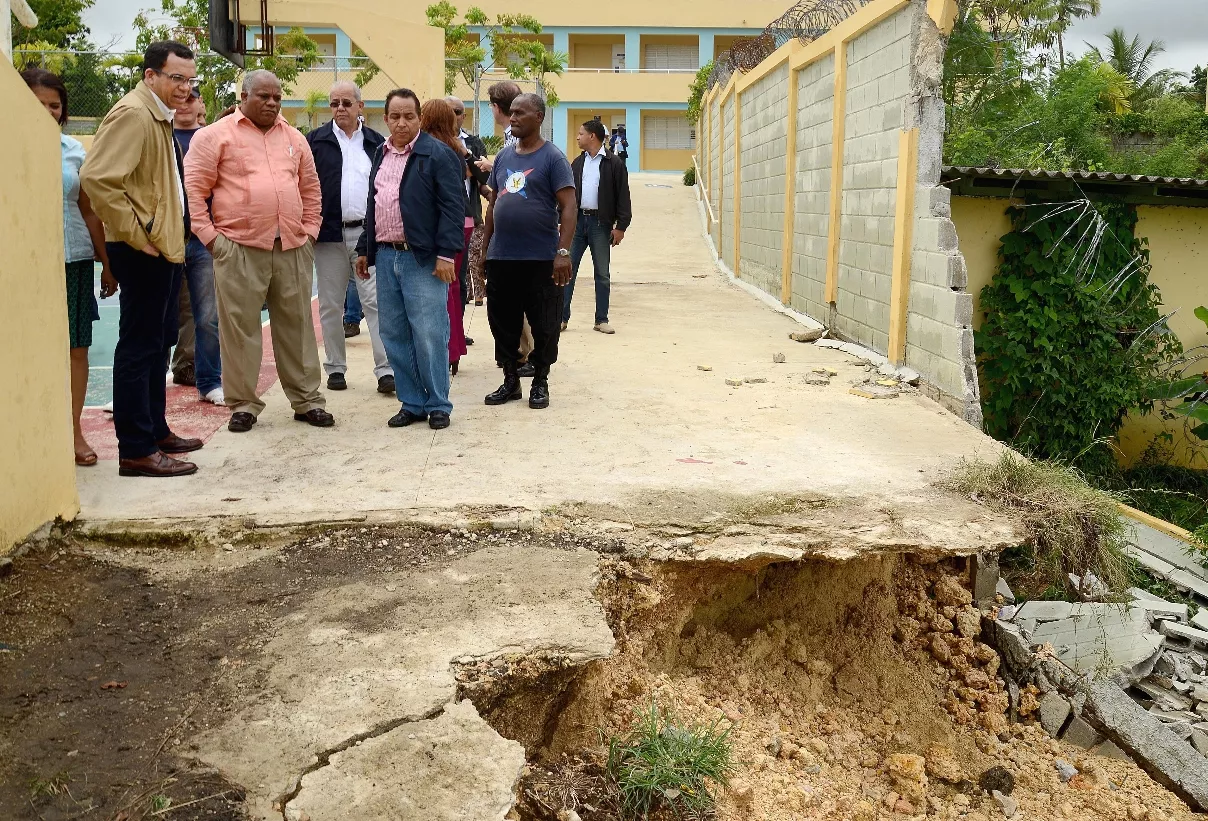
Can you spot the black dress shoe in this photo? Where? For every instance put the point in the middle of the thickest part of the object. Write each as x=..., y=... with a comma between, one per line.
x=351, y=329
x=469, y=341
x=386, y=384
x=337, y=382
x=241, y=422
x=185, y=376
x=316, y=417
x=539, y=394
x=526, y=370
x=404, y=418
x=438, y=420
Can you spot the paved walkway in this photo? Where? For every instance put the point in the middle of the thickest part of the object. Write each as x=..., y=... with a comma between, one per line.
x=633, y=416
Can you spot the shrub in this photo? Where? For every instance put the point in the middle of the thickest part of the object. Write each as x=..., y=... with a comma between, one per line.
x=690, y=176
x=668, y=765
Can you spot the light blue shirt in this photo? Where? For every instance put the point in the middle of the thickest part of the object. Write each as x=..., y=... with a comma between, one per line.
x=77, y=243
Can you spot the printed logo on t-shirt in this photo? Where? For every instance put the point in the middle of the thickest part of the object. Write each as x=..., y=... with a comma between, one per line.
x=516, y=181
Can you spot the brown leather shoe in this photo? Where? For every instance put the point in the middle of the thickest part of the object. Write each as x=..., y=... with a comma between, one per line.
x=178, y=444
x=158, y=464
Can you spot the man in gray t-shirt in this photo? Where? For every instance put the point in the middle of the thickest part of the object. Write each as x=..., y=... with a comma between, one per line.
x=528, y=232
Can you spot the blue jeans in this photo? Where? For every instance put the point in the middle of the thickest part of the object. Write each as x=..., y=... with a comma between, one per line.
x=413, y=319
x=590, y=232
x=352, y=305
x=199, y=276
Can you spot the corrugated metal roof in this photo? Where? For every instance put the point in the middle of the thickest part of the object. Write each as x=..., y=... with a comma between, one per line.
x=951, y=171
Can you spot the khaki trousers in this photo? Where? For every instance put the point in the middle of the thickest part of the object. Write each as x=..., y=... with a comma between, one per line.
x=245, y=279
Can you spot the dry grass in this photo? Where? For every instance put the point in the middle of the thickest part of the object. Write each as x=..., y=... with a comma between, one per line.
x=1072, y=527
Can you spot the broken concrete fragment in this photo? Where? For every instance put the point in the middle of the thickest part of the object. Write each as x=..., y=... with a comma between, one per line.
x=1081, y=734
x=1065, y=770
x=815, y=379
x=734, y=383
x=1003, y=589
x=811, y=335
x=868, y=391
x=1200, y=620
x=1008, y=804
x=1054, y=710
x=1199, y=740
x=1197, y=638
x=1158, y=751
x=778, y=358
x=1098, y=632
x=755, y=380
x=1157, y=608
x=704, y=367
x=1162, y=698
x=1045, y=610
x=1109, y=749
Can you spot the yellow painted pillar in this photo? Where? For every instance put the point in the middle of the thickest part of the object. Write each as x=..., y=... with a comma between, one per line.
x=903, y=241
x=838, y=133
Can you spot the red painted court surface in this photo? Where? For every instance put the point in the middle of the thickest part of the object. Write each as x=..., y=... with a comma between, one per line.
x=187, y=415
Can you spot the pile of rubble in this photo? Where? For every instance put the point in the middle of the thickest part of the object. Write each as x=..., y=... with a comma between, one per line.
x=1117, y=679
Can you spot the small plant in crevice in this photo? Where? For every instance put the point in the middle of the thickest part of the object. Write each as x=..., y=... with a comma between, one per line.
x=690, y=176
x=663, y=764
x=1071, y=527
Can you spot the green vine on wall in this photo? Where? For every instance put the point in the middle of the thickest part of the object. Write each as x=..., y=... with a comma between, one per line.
x=1073, y=339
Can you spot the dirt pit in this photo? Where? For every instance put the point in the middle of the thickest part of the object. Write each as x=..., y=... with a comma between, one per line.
x=840, y=704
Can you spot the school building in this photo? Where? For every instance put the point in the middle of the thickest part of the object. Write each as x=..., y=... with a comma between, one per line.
x=637, y=75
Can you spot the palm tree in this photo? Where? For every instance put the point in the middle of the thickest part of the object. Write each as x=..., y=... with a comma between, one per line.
x=314, y=103
x=1066, y=12
x=1135, y=61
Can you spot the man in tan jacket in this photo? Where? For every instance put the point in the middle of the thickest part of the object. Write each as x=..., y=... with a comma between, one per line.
x=133, y=177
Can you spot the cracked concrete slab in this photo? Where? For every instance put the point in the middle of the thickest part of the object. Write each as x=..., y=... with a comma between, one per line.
x=360, y=660
x=448, y=768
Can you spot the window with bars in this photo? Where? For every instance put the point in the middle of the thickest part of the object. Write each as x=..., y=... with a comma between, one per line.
x=668, y=132
x=671, y=57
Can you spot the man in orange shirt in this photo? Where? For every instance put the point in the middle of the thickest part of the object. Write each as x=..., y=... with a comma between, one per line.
x=252, y=183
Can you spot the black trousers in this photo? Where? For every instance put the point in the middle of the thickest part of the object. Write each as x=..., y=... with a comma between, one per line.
x=150, y=289
x=520, y=288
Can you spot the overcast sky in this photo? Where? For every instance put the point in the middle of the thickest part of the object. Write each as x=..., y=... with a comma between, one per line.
x=1182, y=24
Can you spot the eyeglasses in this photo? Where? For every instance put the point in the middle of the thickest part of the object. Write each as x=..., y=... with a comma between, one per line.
x=459, y=111
x=343, y=104
x=180, y=79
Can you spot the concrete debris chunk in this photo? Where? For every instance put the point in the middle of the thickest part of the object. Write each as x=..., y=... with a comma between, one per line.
x=1081, y=734
x=870, y=391
x=1200, y=619
x=1065, y=770
x=1174, y=630
x=1199, y=740
x=778, y=358
x=1003, y=589
x=734, y=383
x=815, y=379
x=1159, y=609
x=1054, y=710
x=1139, y=594
x=1007, y=612
x=755, y=380
x=1006, y=803
x=1098, y=632
x=1162, y=754
x=812, y=335
x=1045, y=610
x=704, y=367
x=1088, y=585
x=1109, y=749
x=1161, y=697
x=826, y=371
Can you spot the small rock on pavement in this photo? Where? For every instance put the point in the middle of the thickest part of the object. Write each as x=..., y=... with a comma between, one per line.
x=228, y=546
x=6, y=567
x=1008, y=804
x=755, y=380
x=868, y=391
x=734, y=383
x=997, y=779
x=812, y=335
x=704, y=367
x=1065, y=770
x=778, y=358
x=816, y=379
x=1054, y=710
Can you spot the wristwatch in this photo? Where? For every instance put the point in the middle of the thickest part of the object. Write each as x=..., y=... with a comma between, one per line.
x=563, y=252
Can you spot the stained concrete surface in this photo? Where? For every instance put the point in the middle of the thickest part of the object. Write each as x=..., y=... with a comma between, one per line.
x=631, y=415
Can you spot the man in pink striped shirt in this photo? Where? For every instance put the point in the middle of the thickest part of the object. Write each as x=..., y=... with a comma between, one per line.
x=256, y=204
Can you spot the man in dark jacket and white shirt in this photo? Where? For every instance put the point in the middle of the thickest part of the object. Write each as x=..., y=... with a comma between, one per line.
x=344, y=150
x=602, y=190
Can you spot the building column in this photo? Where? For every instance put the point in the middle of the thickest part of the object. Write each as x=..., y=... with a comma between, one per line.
x=558, y=112
x=633, y=51
x=562, y=44
x=706, y=48
x=343, y=44
x=633, y=132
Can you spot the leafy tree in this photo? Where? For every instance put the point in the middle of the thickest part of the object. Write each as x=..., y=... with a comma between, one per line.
x=512, y=44
x=315, y=102
x=1134, y=60
x=1067, y=11
x=60, y=24
x=188, y=23
x=696, y=94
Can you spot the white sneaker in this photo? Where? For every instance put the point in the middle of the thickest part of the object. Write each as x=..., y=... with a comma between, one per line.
x=605, y=328
x=215, y=397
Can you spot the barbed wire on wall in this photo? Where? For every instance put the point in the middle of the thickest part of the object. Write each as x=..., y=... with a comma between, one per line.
x=806, y=21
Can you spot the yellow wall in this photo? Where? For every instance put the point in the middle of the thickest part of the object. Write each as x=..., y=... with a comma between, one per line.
x=1178, y=244
x=37, y=472
x=593, y=50
x=981, y=223
x=575, y=117
x=751, y=14
x=666, y=159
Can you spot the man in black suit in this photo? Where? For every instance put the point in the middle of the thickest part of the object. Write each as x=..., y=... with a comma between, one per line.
x=344, y=150
x=602, y=191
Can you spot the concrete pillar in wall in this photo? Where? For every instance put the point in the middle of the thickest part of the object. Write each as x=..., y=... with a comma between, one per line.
x=633, y=51
x=343, y=44
x=633, y=131
x=562, y=43
x=558, y=115
x=706, y=48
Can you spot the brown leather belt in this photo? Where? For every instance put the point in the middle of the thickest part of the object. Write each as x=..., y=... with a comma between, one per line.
x=399, y=246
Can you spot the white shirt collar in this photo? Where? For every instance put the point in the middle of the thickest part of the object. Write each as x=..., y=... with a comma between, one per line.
x=170, y=113
x=342, y=135
x=598, y=155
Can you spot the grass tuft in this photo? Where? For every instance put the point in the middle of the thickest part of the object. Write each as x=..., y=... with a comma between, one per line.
x=663, y=764
x=1072, y=527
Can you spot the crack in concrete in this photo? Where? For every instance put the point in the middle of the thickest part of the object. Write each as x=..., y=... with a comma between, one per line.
x=323, y=758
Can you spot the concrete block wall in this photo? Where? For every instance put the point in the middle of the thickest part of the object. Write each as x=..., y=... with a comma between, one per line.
x=765, y=123
x=894, y=68
x=811, y=214
x=713, y=162
x=878, y=83
x=726, y=212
